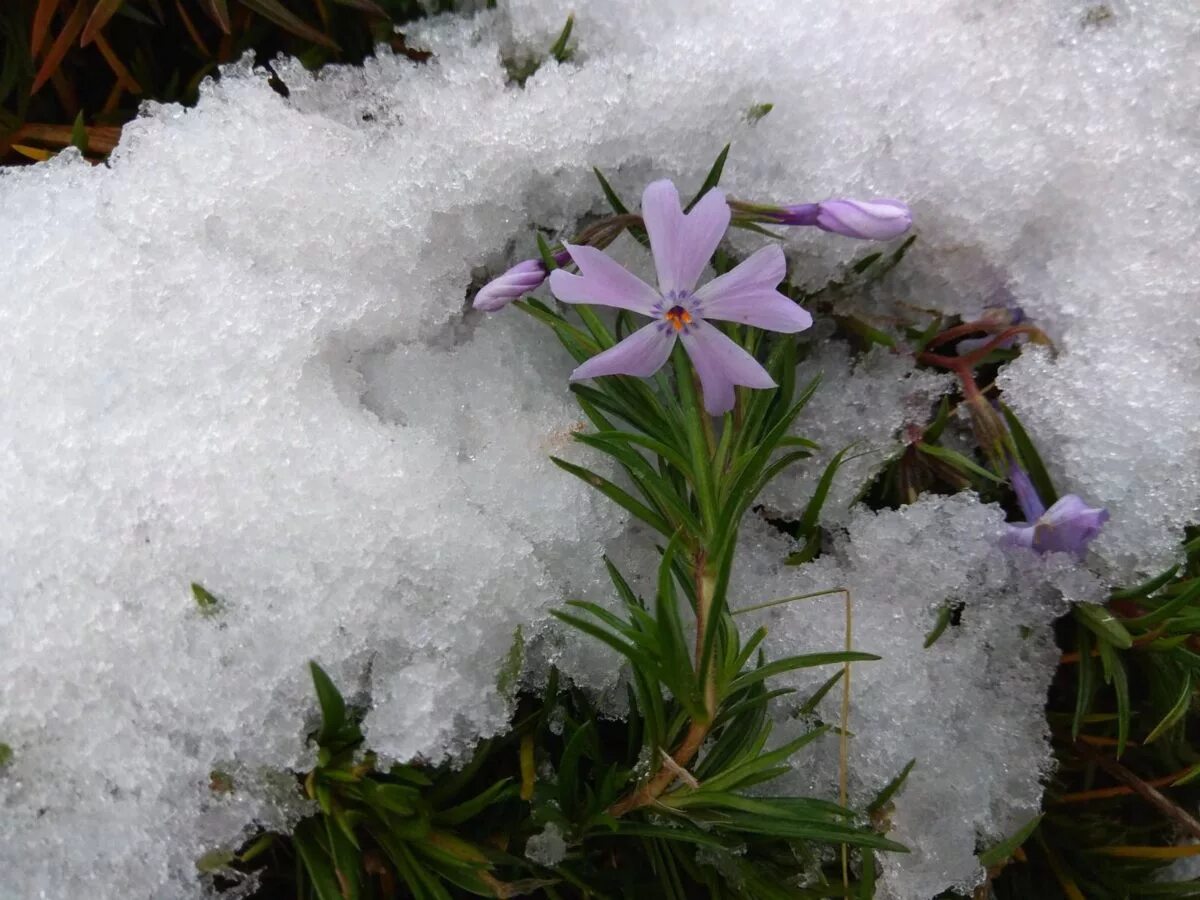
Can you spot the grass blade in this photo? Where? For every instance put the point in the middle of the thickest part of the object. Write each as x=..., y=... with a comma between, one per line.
x=101, y=13
x=288, y=21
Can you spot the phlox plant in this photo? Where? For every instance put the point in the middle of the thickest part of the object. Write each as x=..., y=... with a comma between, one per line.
x=696, y=410
x=690, y=389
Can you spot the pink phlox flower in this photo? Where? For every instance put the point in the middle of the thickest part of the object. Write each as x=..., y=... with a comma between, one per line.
x=1068, y=526
x=682, y=245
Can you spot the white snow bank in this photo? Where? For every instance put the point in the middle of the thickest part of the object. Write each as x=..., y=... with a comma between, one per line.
x=237, y=356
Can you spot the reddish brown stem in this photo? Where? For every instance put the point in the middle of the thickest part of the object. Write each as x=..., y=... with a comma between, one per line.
x=1142, y=788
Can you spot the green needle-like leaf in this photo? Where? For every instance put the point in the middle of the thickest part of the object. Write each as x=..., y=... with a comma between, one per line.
x=333, y=707
x=616, y=494
x=711, y=179
x=1005, y=849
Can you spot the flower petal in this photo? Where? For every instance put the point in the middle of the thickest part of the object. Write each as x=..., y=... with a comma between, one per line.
x=721, y=364
x=880, y=219
x=747, y=294
x=642, y=354
x=1019, y=534
x=682, y=244
x=602, y=281
x=522, y=278
x=1068, y=526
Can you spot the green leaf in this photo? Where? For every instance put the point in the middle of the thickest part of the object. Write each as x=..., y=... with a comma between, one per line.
x=546, y=254
x=681, y=831
x=569, y=782
x=510, y=670
x=1085, y=688
x=623, y=589
x=288, y=21
x=669, y=453
x=780, y=817
x=938, y=425
x=939, y=627
x=397, y=798
x=866, y=878
x=79, y=135
x=740, y=776
x=632, y=653
x=653, y=486
x=1170, y=608
x=884, y=797
x=758, y=111
x=673, y=645
x=1104, y=625
x=333, y=707
x=958, y=461
x=695, y=422
x=866, y=262
x=802, y=661
x=6, y=754
x=610, y=195
x=419, y=881
x=1114, y=674
x=712, y=178
x=259, y=846
x=820, y=693
x=317, y=864
x=1187, y=777
x=867, y=333
x=578, y=344
x=461, y=874
x=810, y=518
x=208, y=602
x=1174, y=714
x=1031, y=460
x=1005, y=849
x=559, y=51
x=1146, y=588
x=215, y=861
x=502, y=790
x=616, y=494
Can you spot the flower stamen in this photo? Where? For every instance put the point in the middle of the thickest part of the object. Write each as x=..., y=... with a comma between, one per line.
x=678, y=317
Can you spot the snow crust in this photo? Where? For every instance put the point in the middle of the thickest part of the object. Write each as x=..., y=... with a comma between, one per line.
x=238, y=355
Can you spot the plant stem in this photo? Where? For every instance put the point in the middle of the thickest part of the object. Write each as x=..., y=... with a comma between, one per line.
x=706, y=582
x=651, y=790
x=1142, y=788
x=648, y=792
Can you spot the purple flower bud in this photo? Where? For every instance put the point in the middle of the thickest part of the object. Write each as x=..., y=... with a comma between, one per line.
x=871, y=220
x=796, y=214
x=522, y=278
x=1066, y=527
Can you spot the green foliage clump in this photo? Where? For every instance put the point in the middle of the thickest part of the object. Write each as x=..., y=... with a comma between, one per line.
x=437, y=832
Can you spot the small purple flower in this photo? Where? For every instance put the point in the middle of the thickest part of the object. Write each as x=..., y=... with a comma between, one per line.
x=682, y=245
x=1066, y=527
x=522, y=278
x=880, y=219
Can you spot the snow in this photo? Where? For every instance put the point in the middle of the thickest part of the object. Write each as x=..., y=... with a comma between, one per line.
x=238, y=355
x=968, y=709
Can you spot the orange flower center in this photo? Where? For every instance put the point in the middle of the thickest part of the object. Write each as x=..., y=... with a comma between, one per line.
x=678, y=317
